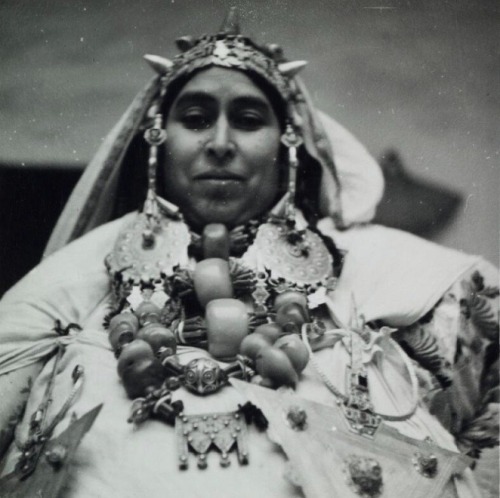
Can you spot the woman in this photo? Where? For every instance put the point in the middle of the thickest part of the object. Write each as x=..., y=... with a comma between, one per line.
x=251, y=252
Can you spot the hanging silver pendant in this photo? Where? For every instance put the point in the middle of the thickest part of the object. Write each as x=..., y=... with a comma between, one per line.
x=219, y=431
x=137, y=262
x=286, y=260
x=358, y=409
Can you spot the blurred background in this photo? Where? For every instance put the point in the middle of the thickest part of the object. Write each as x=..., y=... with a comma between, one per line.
x=416, y=80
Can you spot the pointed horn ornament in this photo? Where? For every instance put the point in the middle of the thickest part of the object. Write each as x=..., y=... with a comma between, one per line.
x=292, y=68
x=184, y=43
x=160, y=64
x=231, y=24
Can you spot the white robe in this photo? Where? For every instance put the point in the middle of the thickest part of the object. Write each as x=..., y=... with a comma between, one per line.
x=393, y=276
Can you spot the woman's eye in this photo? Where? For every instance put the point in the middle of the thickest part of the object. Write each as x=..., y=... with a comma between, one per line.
x=249, y=120
x=195, y=120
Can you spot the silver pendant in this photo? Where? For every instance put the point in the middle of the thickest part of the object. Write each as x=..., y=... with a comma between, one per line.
x=138, y=261
x=286, y=260
x=203, y=376
x=218, y=431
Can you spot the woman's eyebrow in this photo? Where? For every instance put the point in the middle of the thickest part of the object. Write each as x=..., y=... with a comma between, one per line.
x=200, y=97
x=195, y=97
x=252, y=101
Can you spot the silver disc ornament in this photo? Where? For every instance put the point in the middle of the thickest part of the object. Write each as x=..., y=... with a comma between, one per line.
x=286, y=260
x=143, y=250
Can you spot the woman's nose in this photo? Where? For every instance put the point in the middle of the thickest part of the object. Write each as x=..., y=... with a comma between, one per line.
x=220, y=144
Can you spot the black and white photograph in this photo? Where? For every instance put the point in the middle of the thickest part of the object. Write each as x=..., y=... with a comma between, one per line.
x=249, y=249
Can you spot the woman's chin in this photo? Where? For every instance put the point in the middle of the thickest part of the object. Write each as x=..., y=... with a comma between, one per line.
x=224, y=212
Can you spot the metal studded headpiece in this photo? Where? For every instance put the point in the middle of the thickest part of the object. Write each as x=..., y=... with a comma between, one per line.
x=230, y=49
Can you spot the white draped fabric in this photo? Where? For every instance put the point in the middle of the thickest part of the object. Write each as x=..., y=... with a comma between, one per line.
x=392, y=275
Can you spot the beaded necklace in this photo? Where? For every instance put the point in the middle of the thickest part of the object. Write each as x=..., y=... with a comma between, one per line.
x=163, y=302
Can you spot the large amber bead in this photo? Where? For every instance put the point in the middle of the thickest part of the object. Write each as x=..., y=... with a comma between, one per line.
x=142, y=375
x=158, y=337
x=122, y=329
x=253, y=343
x=126, y=317
x=291, y=297
x=133, y=352
x=291, y=316
x=148, y=312
x=227, y=325
x=273, y=364
x=295, y=349
x=215, y=241
x=212, y=280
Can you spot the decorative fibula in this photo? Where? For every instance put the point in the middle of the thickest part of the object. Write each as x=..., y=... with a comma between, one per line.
x=139, y=260
x=306, y=263
x=219, y=431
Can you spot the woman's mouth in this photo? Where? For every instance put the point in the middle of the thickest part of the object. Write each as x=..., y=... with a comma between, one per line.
x=224, y=176
x=220, y=180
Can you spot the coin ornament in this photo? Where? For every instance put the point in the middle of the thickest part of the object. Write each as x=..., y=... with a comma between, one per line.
x=139, y=261
x=286, y=260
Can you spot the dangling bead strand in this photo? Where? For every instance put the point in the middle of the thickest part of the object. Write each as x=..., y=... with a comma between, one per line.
x=154, y=136
x=292, y=141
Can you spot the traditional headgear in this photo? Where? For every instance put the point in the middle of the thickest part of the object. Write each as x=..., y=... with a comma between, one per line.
x=351, y=182
x=230, y=49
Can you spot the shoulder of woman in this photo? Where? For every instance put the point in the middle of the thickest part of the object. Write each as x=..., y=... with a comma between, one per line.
x=376, y=242
x=78, y=261
x=394, y=275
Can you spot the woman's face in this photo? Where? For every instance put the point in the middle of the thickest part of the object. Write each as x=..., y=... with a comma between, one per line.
x=223, y=140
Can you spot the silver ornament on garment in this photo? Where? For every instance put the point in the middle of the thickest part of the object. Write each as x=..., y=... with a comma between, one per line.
x=364, y=475
x=219, y=431
x=204, y=376
x=139, y=259
x=307, y=263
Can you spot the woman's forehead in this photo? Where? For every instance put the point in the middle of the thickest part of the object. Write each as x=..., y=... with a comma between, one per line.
x=222, y=83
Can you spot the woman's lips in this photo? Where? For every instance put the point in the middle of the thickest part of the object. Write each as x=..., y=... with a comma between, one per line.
x=220, y=185
x=220, y=180
x=219, y=176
